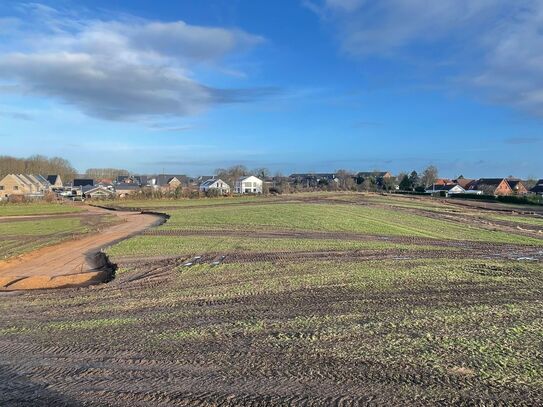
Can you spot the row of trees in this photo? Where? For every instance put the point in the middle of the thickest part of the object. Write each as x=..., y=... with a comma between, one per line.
x=108, y=173
x=37, y=164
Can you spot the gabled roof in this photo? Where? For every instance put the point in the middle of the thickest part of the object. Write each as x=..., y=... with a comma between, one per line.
x=463, y=182
x=538, y=189
x=52, y=179
x=490, y=181
x=212, y=181
x=515, y=183
x=87, y=189
x=165, y=179
x=241, y=179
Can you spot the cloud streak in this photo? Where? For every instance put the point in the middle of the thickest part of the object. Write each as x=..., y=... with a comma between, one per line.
x=125, y=69
x=491, y=47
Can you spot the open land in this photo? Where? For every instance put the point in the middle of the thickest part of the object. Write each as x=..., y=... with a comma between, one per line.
x=310, y=300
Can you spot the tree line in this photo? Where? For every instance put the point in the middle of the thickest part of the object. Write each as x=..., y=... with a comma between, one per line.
x=37, y=164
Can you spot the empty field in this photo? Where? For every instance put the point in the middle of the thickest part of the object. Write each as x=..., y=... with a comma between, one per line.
x=307, y=300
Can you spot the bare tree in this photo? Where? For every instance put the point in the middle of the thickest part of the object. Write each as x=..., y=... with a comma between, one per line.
x=429, y=176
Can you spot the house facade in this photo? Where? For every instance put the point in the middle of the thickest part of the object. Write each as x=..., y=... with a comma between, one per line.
x=517, y=186
x=248, y=185
x=23, y=185
x=215, y=185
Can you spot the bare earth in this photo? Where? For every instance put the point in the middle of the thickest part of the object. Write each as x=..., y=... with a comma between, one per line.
x=65, y=264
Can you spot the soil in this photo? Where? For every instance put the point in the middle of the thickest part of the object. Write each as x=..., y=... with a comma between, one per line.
x=278, y=365
x=66, y=264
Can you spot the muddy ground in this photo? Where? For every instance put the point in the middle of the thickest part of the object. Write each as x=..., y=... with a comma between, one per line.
x=150, y=337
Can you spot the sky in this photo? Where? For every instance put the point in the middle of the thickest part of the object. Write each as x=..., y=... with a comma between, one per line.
x=291, y=85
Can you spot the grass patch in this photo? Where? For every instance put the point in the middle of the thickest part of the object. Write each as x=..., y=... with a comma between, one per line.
x=345, y=218
x=178, y=245
x=35, y=208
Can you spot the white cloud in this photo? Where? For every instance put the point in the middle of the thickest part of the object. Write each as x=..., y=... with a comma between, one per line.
x=121, y=69
x=495, y=46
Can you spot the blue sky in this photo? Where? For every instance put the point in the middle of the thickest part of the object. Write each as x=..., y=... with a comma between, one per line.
x=292, y=85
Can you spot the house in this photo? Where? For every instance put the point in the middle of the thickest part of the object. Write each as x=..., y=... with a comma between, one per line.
x=538, y=189
x=215, y=185
x=444, y=181
x=248, y=185
x=96, y=192
x=491, y=186
x=464, y=182
x=517, y=186
x=123, y=189
x=55, y=181
x=23, y=185
x=311, y=180
x=448, y=189
x=83, y=182
x=168, y=182
x=379, y=176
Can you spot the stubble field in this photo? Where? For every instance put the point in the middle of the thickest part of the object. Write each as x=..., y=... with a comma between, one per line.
x=310, y=300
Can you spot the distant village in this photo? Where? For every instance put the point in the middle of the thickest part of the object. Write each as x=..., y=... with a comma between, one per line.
x=19, y=187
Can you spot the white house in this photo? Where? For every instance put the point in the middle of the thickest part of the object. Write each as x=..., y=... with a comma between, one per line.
x=449, y=189
x=248, y=185
x=215, y=184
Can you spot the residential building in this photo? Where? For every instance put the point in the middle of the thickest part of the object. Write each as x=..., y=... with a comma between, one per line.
x=517, y=186
x=464, y=182
x=123, y=189
x=447, y=189
x=492, y=186
x=55, y=181
x=538, y=189
x=83, y=182
x=380, y=177
x=313, y=180
x=248, y=185
x=218, y=185
x=96, y=192
x=23, y=185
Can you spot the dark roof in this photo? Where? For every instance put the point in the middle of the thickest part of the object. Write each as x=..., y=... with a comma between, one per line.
x=52, y=179
x=81, y=182
x=513, y=183
x=489, y=181
x=538, y=189
x=164, y=179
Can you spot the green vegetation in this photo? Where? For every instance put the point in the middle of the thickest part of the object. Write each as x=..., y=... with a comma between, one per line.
x=42, y=227
x=178, y=245
x=345, y=218
x=37, y=208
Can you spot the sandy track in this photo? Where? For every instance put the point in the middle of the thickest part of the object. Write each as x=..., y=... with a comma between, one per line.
x=65, y=263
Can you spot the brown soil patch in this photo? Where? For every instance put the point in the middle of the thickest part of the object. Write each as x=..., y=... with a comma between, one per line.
x=66, y=263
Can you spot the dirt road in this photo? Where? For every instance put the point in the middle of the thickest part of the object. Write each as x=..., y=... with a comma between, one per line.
x=66, y=264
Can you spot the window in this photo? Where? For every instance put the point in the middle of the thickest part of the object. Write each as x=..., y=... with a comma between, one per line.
x=1, y=187
x=16, y=188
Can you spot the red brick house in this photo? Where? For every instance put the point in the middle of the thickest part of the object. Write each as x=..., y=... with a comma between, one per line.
x=492, y=186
